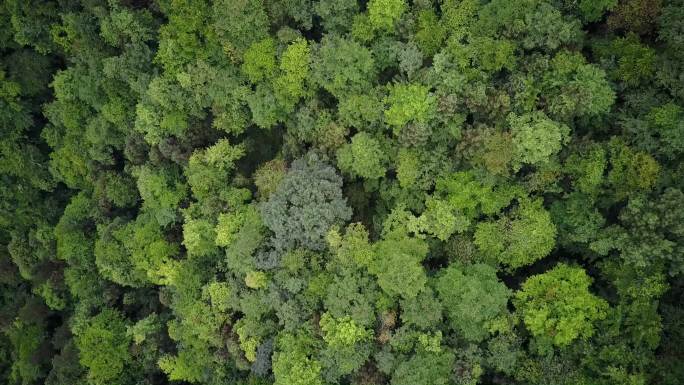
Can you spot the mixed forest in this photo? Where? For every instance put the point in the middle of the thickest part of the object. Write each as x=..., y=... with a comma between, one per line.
x=342, y=192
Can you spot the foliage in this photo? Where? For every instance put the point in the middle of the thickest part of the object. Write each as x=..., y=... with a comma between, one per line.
x=134, y=254
x=260, y=61
x=341, y=192
x=300, y=213
x=536, y=138
x=292, y=364
x=103, y=347
x=472, y=297
x=557, y=306
x=343, y=66
x=519, y=239
x=408, y=103
x=632, y=171
x=383, y=14
x=397, y=265
x=363, y=157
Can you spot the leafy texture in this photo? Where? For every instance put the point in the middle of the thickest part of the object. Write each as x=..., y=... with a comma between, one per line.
x=307, y=203
x=557, y=306
x=341, y=192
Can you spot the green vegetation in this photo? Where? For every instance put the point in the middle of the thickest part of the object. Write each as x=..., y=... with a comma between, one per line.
x=342, y=192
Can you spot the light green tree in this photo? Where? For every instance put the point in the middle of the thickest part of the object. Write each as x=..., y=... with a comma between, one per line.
x=536, y=138
x=384, y=14
x=103, y=347
x=408, y=103
x=524, y=236
x=557, y=306
x=363, y=157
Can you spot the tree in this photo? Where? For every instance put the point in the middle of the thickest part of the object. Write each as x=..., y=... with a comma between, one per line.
x=340, y=191
x=26, y=339
x=241, y=233
x=586, y=166
x=66, y=368
x=210, y=170
x=236, y=34
x=441, y=219
x=198, y=237
x=536, y=138
x=353, y=247
x=431, y=33
x=593, y=10
x=265, y=107
x=347, y=347
x=103, y=346
x=294, y=66
x=659, y=133
x=292, y=364
x=632, y=171
x=260, y=61
x=557, y=306
x=300, y=212
x=114, y=261
x=408, y=103
x=161, y=191
x=383, y=14
x=650, y=233
x=521, y=238
x=573, y=87
x=635, y=62
x=336, y=15
x=363, y=157
x=473, y=298
x=350, y=293
x=135, y=253
x=635, y=15
x=397, y=265
x=424, y=368
x=268, y=176
x=343, y=67
x=423, y=311
x=531, y=23
x=360, y=110
x=576, y=219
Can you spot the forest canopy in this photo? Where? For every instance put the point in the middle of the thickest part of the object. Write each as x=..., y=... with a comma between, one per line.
x=342, y=192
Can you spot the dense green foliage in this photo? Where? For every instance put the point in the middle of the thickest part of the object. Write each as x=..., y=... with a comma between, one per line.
x=352, y=192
